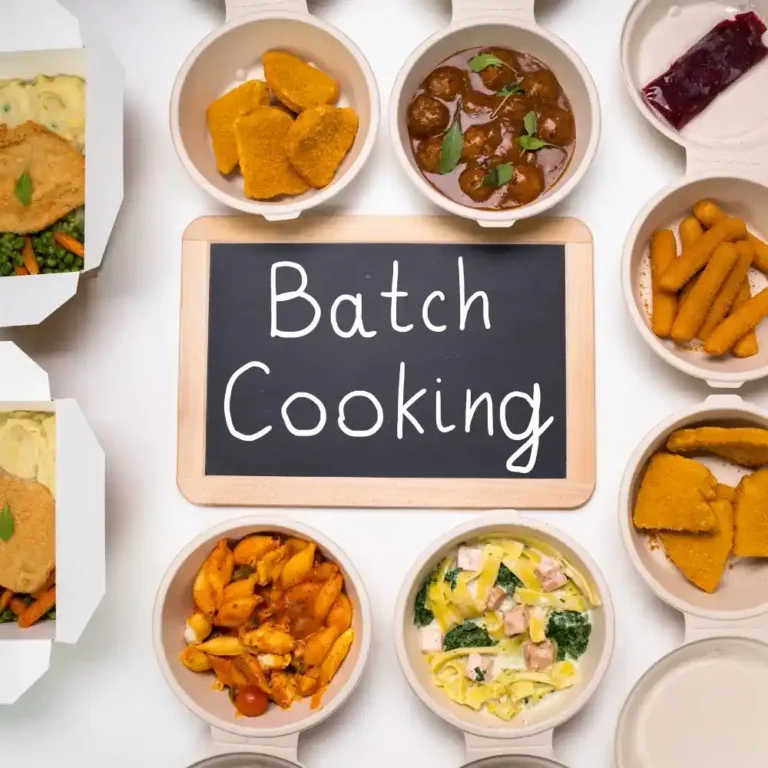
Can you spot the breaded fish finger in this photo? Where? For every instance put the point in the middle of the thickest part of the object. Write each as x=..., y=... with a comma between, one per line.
x=690, y=231
x=729, y=290
x=674, y=495
x=663, y=253
x=702, y=558
x=747, y=345
x=694, y=258
x=736, y=325
x=691, y=315
x=297, y=84
x=751, y=516
x=747, y=446
x=725, y=492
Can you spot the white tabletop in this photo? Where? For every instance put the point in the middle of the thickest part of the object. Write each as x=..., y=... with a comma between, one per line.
x=114, y=348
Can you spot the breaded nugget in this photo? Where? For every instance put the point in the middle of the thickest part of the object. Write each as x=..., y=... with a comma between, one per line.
x=664, y=304
x=701, y=557
x=751, y=516
x=221, y=116
x=747, y=446
x=674, y=496
x=319, y=140
x=725, y=492
x=297, y=84
x=739, y=323
x=56, y=170
x=27, y=558
x=264, y=163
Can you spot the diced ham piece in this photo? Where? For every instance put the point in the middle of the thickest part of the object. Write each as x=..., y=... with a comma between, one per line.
x=495, y=599
x=550, y=574
x=470, y=558
x=516, y=621
x=539, y=655
x=477, y=662
x=431, y=639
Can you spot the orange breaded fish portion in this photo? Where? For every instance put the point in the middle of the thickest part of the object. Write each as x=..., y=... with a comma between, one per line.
x=56, y=170
x=264, y=163
x=222, y=113
x=702, y=557
x=747, y=446
x=751, y=516
x=297, y=84
x=674, y=495
x=319, y=140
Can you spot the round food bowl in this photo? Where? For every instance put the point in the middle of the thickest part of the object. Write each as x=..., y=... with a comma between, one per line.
x=738, y=196
x=174, y=605
x=515, y=761
x=539, y=720
x=520, y=36
x=243, y=760
x=743, y=591
x=233, y=54
x=655, y=34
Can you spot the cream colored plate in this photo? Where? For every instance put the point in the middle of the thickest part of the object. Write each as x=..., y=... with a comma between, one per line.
x=704, y=705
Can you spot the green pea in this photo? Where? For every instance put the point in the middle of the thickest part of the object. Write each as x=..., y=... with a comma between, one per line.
x=69, y=259
x=18, y=259
x=51, y=262
x=6, y=269
x=6, y=615
x=51, y=615
x=47, y=271
x=19, y=243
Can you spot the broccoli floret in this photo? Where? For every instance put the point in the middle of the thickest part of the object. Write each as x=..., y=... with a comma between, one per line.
x=421, y=614
x=451, y=576
x=570, y=630
x=507, y=580
x=468, y=635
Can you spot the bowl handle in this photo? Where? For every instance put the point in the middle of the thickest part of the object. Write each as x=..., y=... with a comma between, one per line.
x=286, y=747
x=479, y=747
x=699, y=628
x=497, y=224
x=511, y=10
x=741, y=162
x=238, y=8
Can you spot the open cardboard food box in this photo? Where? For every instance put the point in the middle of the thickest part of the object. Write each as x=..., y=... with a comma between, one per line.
x=25, y=654
x=28, y=49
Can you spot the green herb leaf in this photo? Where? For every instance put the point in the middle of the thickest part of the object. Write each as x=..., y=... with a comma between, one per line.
x=532, y=143
x=23, y=189
x=483, y=60
x=499, y=175
x=7, y=524
x=507, y=580
x=468, y=635
x=479, y=675
x=531, y=123
x=450, y=149
x=451, y=577
x=511, y=90
x=570, y=631
x=422, y=615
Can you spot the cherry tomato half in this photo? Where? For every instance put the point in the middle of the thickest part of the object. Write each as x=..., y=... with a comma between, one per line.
x=251, y=701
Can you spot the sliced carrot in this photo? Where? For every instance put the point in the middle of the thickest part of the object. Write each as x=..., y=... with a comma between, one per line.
x=72, y=245
x=5, y=599
x=18, y=606
x=50, y=581
x=30, y=260
x=38, y=609
x=20, y=270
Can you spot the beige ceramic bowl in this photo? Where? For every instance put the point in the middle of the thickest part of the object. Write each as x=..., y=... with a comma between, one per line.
x=521, y=36
x=741, y=197
x=174, y=605
x=516, y=761
x=540, y=720
x=743, y=593
x=233, y=54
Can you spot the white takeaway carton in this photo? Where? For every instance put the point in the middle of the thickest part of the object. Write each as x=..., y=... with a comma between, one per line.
x=25, y=654
x=27, y=49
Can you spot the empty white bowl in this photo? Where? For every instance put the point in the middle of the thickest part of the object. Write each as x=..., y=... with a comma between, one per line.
x=521, y=36
x=231, y=55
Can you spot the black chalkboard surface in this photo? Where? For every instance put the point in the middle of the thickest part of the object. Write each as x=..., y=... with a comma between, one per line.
x=386, y=362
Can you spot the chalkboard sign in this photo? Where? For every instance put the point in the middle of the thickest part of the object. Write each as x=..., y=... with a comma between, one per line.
x=419, y=364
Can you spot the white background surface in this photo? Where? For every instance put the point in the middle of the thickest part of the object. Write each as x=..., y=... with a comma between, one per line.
x=114, y=347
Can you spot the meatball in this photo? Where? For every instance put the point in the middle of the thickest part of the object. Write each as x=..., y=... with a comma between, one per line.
x=446, y=83
x=556, y=125
x=481, y=140
x=428, y=154
x=495, y=78
x=479, y=104
x=542, y=84
x=526, y=185
x=471, y=183
x=512, y=111
x=510, y=150
x=427, y=117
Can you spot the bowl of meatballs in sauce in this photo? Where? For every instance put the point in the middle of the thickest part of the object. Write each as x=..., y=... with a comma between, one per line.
x=493, y=133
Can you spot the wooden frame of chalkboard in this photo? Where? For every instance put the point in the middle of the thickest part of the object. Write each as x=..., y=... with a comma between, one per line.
x=461, y=493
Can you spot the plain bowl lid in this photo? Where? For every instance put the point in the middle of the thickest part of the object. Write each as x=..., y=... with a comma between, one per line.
x=703, y=705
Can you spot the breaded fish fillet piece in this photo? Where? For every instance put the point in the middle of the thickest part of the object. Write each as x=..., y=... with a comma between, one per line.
x=674, y=495
x=57, y=172
x=747, y=446
x=751, y=516
x=27, y=558
x=702, y=557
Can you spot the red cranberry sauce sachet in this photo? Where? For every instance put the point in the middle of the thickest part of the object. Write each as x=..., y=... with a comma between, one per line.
x=701, y=74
